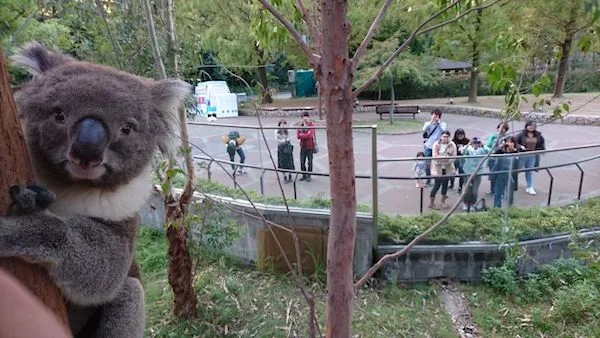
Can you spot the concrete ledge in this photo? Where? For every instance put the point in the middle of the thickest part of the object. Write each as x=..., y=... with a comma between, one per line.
x=246, y=248
x=466, y=261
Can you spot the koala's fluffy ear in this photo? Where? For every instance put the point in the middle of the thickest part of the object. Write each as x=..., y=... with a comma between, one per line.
x=37, y=59
x=168, y=97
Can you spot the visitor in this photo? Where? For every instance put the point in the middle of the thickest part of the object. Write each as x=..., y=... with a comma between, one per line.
x=474, y=148
x=307, y=143
x=234, y=142
x=461, y=141
x=491, y=145
x=419, y=169
x=531, y=140
x=285, y=150
x=440, y=167
x=505, y=182
x=432, y=132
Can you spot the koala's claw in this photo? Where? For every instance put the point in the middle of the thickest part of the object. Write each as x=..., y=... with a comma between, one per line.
x=30, y=199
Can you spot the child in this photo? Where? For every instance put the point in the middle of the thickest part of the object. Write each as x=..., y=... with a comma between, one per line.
x=234, y=142
x=475, y=147
x=419, y=169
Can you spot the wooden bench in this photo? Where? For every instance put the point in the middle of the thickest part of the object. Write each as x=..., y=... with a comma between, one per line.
x=401, y=110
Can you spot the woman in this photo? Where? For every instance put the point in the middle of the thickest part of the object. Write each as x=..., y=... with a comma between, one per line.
x=285, y=149
x=492, y=144
x=531, y=140
x=461, y=141
x=441, y=166
x=505, y=163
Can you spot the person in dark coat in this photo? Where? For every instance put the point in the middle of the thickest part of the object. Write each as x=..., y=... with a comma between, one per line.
x=285, y=151
x=530, y=139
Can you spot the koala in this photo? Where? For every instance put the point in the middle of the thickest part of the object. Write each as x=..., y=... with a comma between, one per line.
x=91, y=132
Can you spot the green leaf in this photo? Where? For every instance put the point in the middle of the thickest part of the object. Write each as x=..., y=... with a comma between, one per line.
x=566, y=107
x=172, y=172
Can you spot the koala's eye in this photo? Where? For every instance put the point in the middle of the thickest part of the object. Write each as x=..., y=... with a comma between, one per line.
x=126, y=130
x=59, y=116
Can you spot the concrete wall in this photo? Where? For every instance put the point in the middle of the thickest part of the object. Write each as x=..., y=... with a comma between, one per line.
x=466, y=261
x=423, y=262
x=308, y=221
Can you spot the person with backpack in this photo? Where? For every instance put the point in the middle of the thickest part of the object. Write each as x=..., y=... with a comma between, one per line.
x=285, y=150
x=307, y=145
x=432, y=132
x=234, y=142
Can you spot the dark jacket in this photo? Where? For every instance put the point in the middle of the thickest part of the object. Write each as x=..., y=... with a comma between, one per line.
x=506, y=162
x=540, y=144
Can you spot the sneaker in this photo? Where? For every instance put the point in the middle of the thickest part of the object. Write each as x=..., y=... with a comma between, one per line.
x=466, y=207
x=530, y=191
x=302, y=178
x=308, y=179
x=459, y=191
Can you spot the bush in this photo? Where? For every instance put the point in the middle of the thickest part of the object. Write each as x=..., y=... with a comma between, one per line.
x=502, y=279
x=577, y=303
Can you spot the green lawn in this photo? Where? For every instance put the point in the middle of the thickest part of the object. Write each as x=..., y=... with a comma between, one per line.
x=236, y=301
x=398, y=125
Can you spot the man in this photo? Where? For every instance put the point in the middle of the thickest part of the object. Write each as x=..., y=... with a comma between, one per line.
x=307, y=145
x=432, y=132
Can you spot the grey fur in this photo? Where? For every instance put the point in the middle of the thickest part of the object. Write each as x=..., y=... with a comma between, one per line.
x=86, y=238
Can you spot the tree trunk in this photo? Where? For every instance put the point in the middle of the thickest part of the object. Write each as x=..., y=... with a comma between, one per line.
x=180, y=268
x=181, y=277
x=172, y=54
x=265, y=93
x=335, y=77
x=475, y=60
x=15, y=169
x=160, y=66
x=563, y=67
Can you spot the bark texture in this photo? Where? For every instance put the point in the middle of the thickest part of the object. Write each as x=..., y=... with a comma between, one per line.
x=15, y=169
x=335, y=77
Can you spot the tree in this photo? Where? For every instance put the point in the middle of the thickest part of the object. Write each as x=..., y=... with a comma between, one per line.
x=471, y=38
x=563, y=23
x=334, y=70
x=15, y=169
x=180, y=263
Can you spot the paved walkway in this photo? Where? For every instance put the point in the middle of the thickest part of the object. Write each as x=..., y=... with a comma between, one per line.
x=401, y=196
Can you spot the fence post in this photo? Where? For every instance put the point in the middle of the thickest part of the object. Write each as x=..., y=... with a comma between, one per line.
x=374, y=173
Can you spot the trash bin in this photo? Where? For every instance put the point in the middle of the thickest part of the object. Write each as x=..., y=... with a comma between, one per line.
x=305, y=83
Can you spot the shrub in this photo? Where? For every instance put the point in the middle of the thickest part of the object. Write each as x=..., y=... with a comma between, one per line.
x=502, y=279
x=577, y=303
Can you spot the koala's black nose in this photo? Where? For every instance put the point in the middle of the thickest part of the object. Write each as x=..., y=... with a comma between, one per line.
x=89, y=142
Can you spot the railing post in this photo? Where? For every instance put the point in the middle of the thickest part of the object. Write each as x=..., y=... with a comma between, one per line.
x=580, y=181
x=421, y=201
x=374, y=173
x=551, y=186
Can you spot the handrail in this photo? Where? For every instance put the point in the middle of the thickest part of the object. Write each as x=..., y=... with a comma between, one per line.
x=246, y=126
x=532, y=152
x=487, y=173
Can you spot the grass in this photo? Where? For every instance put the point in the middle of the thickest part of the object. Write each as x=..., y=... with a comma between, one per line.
x=524, y=223
x=399, y=125
x=234, y=301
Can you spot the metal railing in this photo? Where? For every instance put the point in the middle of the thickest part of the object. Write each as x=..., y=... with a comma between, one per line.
x=375, y=161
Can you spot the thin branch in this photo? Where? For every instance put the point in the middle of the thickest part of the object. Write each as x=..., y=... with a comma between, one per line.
x=153, y=40
x=365, y=42
x=412, y=243
x=418, y=31
x=444, y=23
x=309, y=22
x=313, y=58
x=116, y=47
x=405, y=44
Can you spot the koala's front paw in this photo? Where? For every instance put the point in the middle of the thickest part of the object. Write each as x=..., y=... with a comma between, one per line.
x=29, y=199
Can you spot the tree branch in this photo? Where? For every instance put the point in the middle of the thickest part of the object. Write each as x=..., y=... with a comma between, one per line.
x=309, y=22
x=313, y=58
x=365, y=42
x=416, y=33
x=412, y=243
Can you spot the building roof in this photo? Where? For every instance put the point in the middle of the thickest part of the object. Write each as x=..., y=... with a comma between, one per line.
x=446, y=64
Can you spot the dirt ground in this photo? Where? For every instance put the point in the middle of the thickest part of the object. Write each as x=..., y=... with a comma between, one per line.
x=581, y=103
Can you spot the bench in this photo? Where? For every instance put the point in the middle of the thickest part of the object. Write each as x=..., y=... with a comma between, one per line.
x=401, y=110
